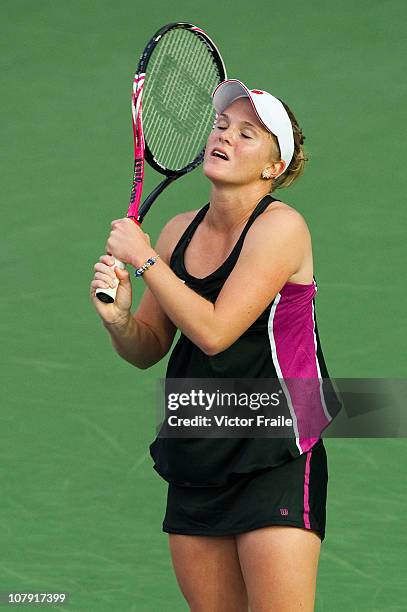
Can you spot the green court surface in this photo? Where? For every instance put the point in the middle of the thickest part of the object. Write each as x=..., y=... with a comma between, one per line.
x=80, y=504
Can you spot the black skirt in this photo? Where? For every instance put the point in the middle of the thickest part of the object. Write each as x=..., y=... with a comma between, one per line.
x=293, y=493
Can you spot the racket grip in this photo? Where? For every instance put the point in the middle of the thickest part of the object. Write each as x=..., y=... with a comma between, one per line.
x=108, y=295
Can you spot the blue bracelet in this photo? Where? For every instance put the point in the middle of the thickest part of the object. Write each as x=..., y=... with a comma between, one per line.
x=150, y=262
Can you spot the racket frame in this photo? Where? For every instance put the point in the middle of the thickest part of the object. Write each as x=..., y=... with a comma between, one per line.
x=141, y=149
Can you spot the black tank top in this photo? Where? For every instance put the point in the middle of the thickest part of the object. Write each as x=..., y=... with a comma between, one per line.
x=268, y=348
x=210, y=286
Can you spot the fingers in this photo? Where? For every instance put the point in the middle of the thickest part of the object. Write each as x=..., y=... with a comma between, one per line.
x=99, y=284
x=107, y=259
x=105, y=269
x=120, y=220
x=131, y=221
x=105, y=275
x=106, y=278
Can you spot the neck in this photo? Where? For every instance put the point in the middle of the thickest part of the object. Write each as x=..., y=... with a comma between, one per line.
x=231, y=205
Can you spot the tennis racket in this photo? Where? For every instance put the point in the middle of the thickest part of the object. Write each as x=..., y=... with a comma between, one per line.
x=176, y=75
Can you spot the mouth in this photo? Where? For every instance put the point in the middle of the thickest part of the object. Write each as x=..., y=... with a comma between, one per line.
x=220, y=154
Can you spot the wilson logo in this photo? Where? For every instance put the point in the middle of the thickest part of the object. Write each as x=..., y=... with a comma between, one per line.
x=284, y=511
x=138, y=171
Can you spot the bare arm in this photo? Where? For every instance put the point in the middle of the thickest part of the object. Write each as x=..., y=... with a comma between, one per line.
x=273, y=251
x=138, y=343
x=144, y=337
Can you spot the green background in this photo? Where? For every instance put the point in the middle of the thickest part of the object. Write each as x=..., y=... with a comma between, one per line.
x=81, y=507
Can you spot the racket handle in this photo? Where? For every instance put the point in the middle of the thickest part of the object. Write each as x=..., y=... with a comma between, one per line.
x=108, y=295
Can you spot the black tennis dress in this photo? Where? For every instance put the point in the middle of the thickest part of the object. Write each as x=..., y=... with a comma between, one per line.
x=224, y=486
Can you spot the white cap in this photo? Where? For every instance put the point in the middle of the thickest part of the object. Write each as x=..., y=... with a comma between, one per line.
x=269, y=110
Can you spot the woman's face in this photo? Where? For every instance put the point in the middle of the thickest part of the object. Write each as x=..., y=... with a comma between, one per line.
x=249, y=147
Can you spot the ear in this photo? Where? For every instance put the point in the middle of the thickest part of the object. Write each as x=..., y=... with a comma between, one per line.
x=274, y=170
x=277, y=168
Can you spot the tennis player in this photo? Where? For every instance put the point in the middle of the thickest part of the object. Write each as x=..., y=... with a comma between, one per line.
x=245, y=517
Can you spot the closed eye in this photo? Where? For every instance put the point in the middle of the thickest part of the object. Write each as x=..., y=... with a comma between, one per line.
x=224, y=127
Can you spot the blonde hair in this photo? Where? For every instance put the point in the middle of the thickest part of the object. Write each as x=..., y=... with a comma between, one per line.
x=297, y=164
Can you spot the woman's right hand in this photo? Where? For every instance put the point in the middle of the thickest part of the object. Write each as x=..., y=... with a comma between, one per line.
x=118, y=312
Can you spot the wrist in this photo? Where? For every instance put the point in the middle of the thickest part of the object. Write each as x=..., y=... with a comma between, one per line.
x=150, y=262
x=120, y=324
x=138, y=260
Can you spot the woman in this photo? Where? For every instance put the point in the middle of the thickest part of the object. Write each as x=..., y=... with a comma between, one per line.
x=245, y=517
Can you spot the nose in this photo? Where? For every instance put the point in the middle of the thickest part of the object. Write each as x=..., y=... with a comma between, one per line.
x=226, y=135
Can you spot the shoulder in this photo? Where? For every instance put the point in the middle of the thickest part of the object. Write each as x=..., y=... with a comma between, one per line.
x=282, y=221
x=172, y=232
x=276, y=246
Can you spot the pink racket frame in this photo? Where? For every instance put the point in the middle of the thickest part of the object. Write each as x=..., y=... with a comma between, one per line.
x=139, y=146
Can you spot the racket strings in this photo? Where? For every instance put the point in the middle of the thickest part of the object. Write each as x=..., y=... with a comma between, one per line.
x=177, y=105
x=178, y=92
x=193, y=113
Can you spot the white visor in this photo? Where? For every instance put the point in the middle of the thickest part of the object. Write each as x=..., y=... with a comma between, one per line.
x=269, y=110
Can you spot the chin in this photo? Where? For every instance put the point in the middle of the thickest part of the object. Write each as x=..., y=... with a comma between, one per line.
x=216, y=178
x=216, y=175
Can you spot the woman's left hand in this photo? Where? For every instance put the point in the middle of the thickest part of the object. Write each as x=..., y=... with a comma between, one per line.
x=128, y=243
